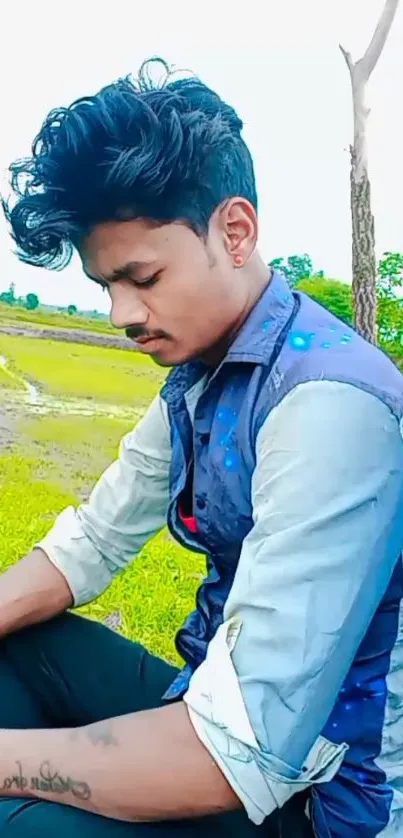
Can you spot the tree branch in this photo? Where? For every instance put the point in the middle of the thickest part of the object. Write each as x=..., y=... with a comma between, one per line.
x=347, y=58
x=369, y=61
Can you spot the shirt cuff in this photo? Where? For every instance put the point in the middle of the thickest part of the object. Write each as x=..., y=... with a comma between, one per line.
x=71, y=551
x=217, y=711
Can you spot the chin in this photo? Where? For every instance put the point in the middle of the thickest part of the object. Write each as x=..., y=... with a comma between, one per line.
x=174, y=359
x=162, y=362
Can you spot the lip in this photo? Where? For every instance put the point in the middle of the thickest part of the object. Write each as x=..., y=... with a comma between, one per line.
x=145, y=344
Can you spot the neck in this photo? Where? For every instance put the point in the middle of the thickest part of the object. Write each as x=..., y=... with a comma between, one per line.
x=257, y=276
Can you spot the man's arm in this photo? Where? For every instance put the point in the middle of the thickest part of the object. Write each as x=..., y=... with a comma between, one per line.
x=86, y=547
x=147, y=766
x=327, y=497
x=32, y=591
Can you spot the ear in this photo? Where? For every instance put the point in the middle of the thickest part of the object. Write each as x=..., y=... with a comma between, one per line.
x=239, y=224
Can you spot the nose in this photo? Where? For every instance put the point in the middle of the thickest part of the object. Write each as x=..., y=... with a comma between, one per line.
x=126, y=307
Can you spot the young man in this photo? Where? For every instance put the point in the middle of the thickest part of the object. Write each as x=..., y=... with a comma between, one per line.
x=274, y=447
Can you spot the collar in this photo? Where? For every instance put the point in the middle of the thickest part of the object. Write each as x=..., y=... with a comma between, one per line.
x=259, y=335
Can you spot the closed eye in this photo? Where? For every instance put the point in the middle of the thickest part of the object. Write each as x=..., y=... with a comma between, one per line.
x=148, y=283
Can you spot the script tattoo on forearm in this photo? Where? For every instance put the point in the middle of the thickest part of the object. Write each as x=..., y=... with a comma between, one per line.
x=47, y=780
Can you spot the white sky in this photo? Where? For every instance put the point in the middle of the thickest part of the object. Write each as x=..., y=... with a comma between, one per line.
x=279, y=66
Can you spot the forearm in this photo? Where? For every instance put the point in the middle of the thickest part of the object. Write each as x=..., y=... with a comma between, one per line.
x=147, y=766
x=32, y=591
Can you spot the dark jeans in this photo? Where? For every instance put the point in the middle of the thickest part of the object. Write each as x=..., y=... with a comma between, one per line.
x=71, y=671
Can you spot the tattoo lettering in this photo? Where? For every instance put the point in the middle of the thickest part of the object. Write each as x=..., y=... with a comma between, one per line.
x=47, y=780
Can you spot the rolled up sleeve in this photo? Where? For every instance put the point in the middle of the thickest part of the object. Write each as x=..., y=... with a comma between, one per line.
x=327, y=496
x=128, y=505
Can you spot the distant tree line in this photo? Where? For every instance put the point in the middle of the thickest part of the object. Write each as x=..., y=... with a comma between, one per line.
x=31, y=301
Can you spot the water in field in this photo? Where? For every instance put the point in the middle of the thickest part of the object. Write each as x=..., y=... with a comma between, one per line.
x=34, y=402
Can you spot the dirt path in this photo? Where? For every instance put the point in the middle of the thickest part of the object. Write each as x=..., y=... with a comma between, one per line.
x=68, y=335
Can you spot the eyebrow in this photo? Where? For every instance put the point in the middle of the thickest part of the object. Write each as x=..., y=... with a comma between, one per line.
x=130, y=268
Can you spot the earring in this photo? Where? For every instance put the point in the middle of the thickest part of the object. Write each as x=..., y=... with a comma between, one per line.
x=238, y=261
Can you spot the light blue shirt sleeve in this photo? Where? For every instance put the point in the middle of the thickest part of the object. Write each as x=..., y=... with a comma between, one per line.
x=327, y=497
x=90, y=544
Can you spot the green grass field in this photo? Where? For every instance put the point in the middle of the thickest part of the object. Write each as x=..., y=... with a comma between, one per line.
x=8, y=382
x=68, y=369
x=54, y=461
x=42, y=317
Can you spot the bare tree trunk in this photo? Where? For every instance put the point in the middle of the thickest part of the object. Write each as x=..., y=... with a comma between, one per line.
x=363, y=228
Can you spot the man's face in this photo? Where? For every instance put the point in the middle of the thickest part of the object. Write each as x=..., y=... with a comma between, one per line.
x=177, y=295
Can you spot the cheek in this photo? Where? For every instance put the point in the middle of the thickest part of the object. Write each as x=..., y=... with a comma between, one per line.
x=203, y=327
x=200, y=315
x=193, y=308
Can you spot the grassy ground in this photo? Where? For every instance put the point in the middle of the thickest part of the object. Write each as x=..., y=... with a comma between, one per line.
x=116, y=376
x=8, y=382
x=54, y=461
x=43, y=317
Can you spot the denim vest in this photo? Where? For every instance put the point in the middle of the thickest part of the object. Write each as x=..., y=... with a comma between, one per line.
x=288, y=339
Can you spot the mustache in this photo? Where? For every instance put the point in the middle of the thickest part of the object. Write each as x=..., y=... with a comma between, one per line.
x=135, y=332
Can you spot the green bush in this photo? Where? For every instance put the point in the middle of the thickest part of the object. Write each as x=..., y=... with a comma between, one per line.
x=334, y=295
